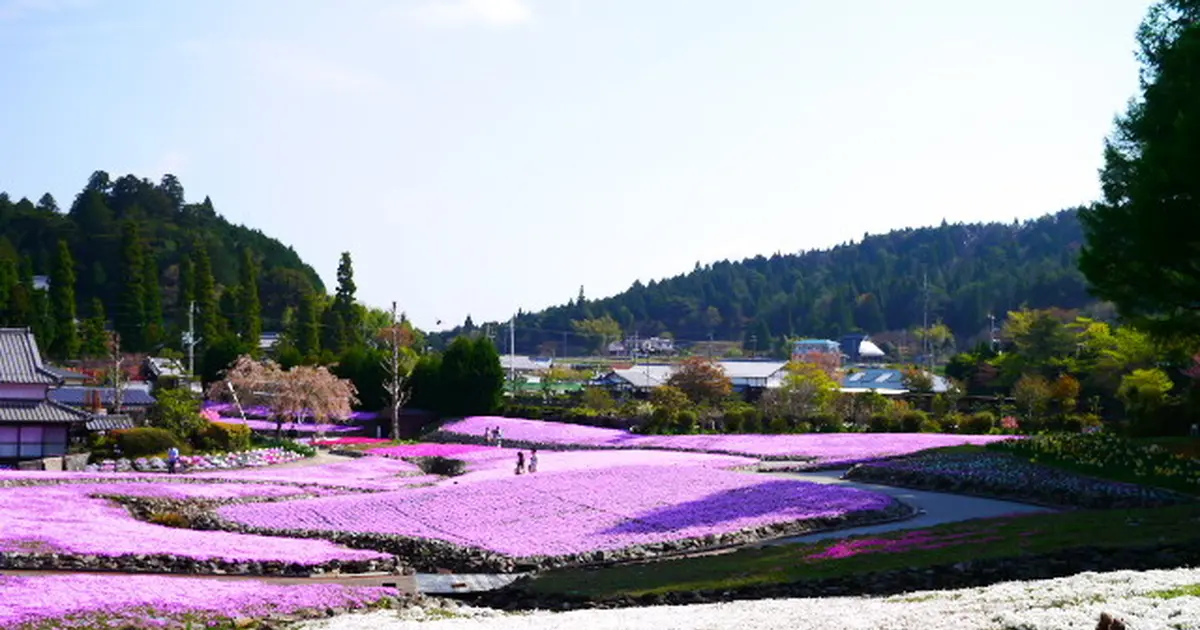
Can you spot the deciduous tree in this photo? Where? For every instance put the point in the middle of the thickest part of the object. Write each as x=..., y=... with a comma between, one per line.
x=702, y=380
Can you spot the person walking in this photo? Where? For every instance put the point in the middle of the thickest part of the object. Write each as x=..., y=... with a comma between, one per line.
x=499, y=437
x=532, y=461
x=487, y=436
x=172, y=459
x=520, y=462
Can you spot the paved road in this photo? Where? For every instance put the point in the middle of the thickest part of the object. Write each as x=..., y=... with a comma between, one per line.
x=937, y=507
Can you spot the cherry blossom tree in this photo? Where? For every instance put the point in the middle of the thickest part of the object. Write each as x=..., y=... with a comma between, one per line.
x=297, y=394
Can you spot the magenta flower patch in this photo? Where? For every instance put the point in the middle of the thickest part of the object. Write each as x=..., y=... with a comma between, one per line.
x=571, y=512
x=94, y=601
x=825, y=448
x=427, y=450
x=365, y=473
x=64, y=519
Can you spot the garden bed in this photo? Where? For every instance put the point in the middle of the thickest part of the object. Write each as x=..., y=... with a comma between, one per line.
x=570, y=518
x=817, y=450
x=1001, y=476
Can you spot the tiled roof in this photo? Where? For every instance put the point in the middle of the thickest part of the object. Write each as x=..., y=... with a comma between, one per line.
x=109, y=423
x=20, y=361
x=751, y=369
x=77, y=396
x=63, y=373
x=39, y=411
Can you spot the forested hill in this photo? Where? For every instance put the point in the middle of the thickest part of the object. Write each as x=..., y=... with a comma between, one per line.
x=171, y=229
x=875, y=286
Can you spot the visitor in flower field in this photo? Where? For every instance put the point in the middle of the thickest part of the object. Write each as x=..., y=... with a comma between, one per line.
x=499, y=437
x=172, y=459
x=520, y=462
x=532, y=460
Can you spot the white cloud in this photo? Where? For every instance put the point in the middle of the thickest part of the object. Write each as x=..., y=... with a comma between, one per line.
x=499, y=13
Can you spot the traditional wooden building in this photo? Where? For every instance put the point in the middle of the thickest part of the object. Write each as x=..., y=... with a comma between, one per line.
x=32, y=426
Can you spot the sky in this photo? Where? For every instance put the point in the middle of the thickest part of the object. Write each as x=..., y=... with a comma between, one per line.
x=480, y=156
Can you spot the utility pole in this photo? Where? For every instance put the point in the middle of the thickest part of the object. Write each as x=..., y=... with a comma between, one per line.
x=992, y=330
x=753, y=345
x=118, y=375
x=395, y=383
x=512, y=352
x=191, y=339
x=710, y=346
x=925, y=343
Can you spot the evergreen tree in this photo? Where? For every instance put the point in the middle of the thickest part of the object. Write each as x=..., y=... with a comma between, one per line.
x=249, y=307
x=95, y=337
x=343, y=321
x=9, y=279
x=62, y=304
x=208, y=314
x=38, y=317
x=187, y=286
x=868, y=315
x=20, y=296
x=130, y=319
x=152, y=301
x=308, y=327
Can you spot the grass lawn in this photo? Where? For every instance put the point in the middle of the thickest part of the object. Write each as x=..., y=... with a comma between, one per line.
x=941, y=545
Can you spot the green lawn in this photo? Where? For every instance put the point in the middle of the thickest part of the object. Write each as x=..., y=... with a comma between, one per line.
x=946, y=544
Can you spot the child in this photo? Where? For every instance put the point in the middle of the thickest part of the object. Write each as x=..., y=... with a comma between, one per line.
x=520, y=462
x=532, y=461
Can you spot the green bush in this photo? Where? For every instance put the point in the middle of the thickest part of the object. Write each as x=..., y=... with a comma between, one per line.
x=882, y=423
x=978, y=423
x=779, y=425
x=826, y=423
x=223, y=437
x=751, y=423
x=444, y=466
x=953, y=422
x=686, y=421
x=303, y=450
x=912, y=420
x=145, y=441
x=732, y=422
x=930, y=425
x=1077, y=423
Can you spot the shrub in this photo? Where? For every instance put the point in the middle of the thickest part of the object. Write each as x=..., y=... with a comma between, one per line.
x=598, y=399
x=1077, y=423
x=145, y=441
x=444, y=466
x=881, y=423
x=912, y=420
x=224, y=437
x=686, y=421
x=930, y=425
x=290, y=445
x=978, y=423
x=732, y=422
x=953, y=422
x=779, y=425
x=826, y=423
x=170, y=519
x=751, y=423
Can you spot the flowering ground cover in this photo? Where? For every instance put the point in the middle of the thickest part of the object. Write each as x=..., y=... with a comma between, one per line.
x=81, y=601
x=298, y=427
x=256, y=458
x=363, y=473
x=428, y=450
x=1112, y=457
x=64, y=518
x=934, y=548
x=1140, y=599
x=1002, y=475
x=824, y=449
x=572, y=512
x=498, y=463
x=350, y=441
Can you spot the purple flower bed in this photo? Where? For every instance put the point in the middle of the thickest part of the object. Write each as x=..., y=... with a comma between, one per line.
x=907, y=541
x=231, y=410
x=496, y=463
x=64, y=519
x=571, y=512
x=827, y=449
x=267, y=425
x=95, y=601
x=191, y=490
x=365, y=473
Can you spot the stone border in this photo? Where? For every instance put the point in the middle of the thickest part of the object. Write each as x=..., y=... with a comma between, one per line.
x=177, y=478
x=967, y=574
x=933, y=482
x=432, y=555
x=167, y=563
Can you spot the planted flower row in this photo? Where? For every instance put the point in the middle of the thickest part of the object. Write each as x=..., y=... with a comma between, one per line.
x=1004, y=476
x=107, y=601
x=1108, y=452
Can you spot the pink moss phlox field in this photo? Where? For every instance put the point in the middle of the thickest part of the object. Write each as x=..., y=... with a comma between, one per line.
x=571, y=512
x=97, y=601
x=365, y=473
x=165, y=490
x=348, y=441
x=64, y=519
x=497, y=463
x=267, y=425
x=427, y=450
x=826, y=448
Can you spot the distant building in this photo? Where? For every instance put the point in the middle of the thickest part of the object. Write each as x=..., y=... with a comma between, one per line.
x=886, y=381
x=524, y=366
x=133, y=398
x=41, y=283
x=745, y=376
x=268, y=340
x=857, y=347
x=642, y=347
x=68, y=377
x=159, y=367
x=809, y=349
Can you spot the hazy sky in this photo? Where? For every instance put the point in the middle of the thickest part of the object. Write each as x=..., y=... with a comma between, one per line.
x=476, y=156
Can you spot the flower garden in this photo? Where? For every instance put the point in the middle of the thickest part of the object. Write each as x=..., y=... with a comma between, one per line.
x=599, y=497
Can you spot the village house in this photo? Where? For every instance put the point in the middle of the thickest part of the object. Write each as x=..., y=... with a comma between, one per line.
x=32, y=425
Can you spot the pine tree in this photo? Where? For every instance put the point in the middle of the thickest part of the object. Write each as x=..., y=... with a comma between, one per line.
x=344, y=319
x=152, y=301
x=130, y=319
x=209, y=316
x=249, y=307
x=187, y=286
x=37, y=316
x=62, y=303
x=20, y=295
x=95, y=338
